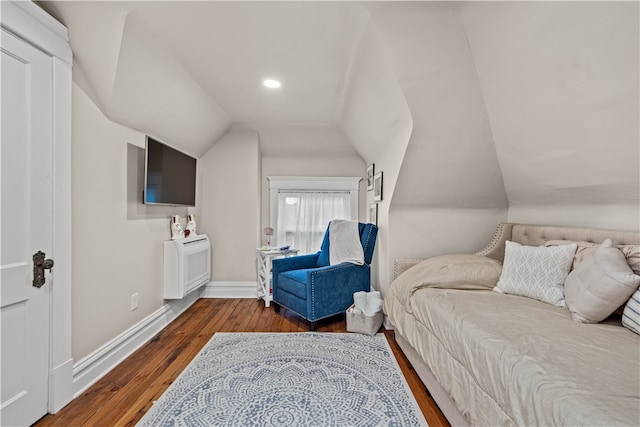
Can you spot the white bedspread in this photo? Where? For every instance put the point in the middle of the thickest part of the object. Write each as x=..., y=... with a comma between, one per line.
x=509, y=360
x=344, y=242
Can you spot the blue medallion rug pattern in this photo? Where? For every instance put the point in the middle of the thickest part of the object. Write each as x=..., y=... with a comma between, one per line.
x=289, y=379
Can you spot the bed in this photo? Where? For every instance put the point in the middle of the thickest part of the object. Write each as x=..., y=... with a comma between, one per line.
x=491, y=358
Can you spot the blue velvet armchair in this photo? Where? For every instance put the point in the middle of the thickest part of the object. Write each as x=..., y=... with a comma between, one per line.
x=315, y=290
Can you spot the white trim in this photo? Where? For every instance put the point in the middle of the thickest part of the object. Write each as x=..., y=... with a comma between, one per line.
x=35, y=26
x=312, y=183
x=60, y=352
x=30, y=23
x=230, y=290
x=60, y=386
x=97, y=364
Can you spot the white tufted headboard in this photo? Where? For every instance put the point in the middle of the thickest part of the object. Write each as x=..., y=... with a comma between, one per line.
x=536, y=235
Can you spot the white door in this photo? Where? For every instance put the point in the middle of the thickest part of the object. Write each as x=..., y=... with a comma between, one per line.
x=26, y=228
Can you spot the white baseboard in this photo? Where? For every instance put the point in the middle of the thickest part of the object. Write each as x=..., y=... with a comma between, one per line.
x=97, y=364
x=230, y=290
x=90, y=369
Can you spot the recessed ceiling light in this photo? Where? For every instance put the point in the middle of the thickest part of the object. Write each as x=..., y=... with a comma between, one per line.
x=272, y=84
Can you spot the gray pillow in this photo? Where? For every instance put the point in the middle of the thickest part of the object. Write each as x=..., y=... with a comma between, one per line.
x=599, y=284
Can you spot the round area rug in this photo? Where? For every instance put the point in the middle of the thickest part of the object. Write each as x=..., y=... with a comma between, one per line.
x=297, y=379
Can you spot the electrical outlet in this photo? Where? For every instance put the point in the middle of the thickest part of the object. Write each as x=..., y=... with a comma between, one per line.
x=134, y=301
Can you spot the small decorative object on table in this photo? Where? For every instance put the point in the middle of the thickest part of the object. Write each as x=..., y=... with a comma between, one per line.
x=176, y=228
x=191, y=226
x=268, y=231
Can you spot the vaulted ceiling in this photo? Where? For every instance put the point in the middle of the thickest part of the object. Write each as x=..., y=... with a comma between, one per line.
x=498, y=103
x=184, y=71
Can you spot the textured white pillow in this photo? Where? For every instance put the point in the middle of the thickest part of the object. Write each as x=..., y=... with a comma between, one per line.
x=631, y=313
x=536, y=271
x=599, y=284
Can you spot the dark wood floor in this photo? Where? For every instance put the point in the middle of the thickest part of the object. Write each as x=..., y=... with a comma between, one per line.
x=123, y=396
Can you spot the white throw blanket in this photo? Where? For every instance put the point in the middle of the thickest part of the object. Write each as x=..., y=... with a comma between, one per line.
x=344, y=242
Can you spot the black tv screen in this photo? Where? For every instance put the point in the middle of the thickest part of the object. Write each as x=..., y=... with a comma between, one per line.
x=170, y=176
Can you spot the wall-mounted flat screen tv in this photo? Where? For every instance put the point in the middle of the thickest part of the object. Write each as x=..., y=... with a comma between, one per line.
x=169, y=175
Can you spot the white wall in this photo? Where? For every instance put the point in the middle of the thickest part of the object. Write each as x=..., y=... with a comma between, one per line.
x=522, y=111
x=449, y=195
x=561, y=86
x=154, y=93
x=607, y=216
x=378, y=122
x=416, y=88
x=476, y=112
x=134, y=75
x=331, y=155
x=415, y=234
x=228, y=206
x=117, y=242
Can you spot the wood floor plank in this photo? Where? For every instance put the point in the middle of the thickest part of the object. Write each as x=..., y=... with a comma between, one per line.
x=257, y=320
x=126, y=393
x=156, y=368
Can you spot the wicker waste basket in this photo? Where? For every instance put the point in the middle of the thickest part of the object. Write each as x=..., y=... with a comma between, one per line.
x=358, y=322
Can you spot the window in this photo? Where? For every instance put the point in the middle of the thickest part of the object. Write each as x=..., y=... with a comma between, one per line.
x=303, y=217
x=301, y=208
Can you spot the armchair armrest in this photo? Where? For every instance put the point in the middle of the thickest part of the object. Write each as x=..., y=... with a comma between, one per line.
x=332, y=288
x=300, y=262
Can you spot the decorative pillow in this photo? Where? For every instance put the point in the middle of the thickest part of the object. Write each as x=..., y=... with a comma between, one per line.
x=631, y=313
x=599, y=284
x=460, y=271
x=536, y=272
x=586, y=249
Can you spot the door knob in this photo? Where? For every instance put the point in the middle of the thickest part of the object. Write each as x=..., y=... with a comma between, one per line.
x=40, y=264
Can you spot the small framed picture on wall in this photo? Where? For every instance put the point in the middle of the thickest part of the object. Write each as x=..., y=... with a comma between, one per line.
x=373, y=213
x=377, y=187
x=370, y=170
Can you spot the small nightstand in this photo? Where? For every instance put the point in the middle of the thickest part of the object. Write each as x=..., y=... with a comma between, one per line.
x=264, y=258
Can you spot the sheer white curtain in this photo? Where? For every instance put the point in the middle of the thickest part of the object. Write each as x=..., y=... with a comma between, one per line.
x=303, y=217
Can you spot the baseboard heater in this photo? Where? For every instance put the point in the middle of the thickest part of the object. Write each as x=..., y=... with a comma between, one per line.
x=187, y=265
